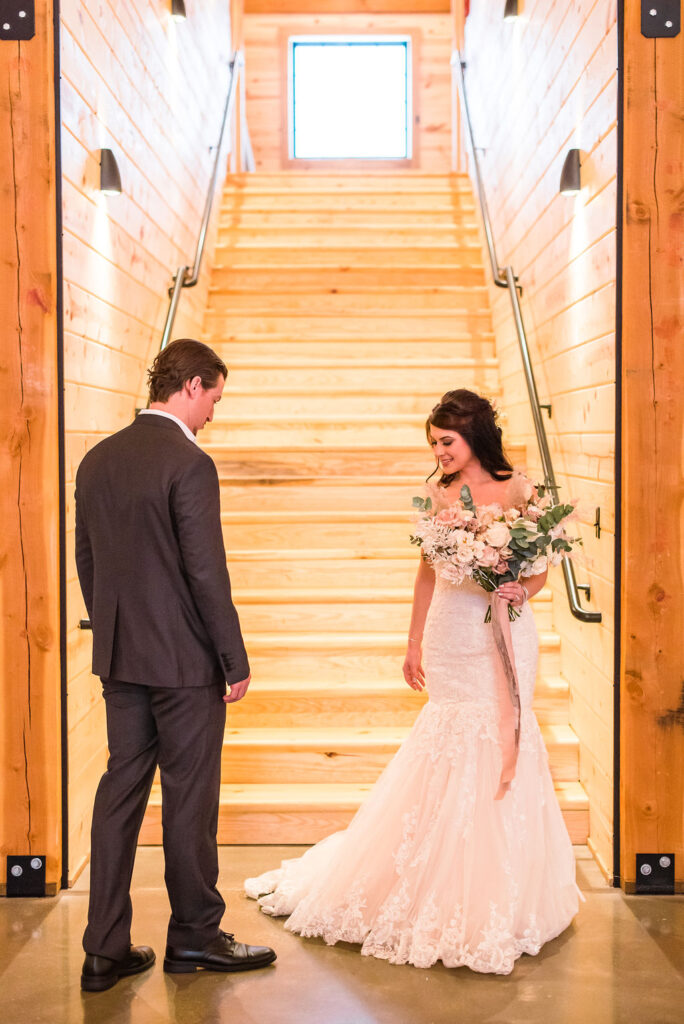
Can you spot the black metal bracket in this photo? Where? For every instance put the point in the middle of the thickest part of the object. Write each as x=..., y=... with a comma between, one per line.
x=655, y=873
x=586, y=589
x=17, y=19
x=85, y=624
x=547, y=406
x=26, y=875
x=597, y=522
x=660, y=19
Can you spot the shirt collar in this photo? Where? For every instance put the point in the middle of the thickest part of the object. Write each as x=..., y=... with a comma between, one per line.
x=169, y=416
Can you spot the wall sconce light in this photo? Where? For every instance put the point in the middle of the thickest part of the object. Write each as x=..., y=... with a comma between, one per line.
x=511, y=10
x=571, y=175
x=178, y=10
x=110, y=179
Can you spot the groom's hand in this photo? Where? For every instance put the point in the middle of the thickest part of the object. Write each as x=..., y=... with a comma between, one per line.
x=237, y=690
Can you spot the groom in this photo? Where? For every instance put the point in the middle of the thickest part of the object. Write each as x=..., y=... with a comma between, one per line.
x=166, y=641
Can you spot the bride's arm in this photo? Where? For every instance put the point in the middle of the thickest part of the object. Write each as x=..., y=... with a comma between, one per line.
x=422, y=596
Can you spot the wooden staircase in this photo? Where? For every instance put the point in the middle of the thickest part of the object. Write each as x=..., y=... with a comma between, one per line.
x=344, y=307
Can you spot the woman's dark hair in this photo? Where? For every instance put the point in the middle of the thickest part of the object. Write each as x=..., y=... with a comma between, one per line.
x=473, y=417
x=180, y=361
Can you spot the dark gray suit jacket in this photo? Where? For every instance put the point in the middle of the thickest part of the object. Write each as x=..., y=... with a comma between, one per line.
x=151, y=560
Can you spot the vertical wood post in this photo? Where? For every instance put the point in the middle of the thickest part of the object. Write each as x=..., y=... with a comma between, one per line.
x=652, y=588
x=30, y=754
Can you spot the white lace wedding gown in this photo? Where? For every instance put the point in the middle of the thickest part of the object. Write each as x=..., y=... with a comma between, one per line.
x=432, y=867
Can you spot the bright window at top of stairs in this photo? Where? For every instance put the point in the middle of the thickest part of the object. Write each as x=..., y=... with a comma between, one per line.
x=350, y=97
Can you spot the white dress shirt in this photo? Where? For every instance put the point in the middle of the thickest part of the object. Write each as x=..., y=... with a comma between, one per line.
x=169, y=415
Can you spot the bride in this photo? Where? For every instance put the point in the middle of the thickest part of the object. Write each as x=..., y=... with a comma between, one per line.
x=438, y=864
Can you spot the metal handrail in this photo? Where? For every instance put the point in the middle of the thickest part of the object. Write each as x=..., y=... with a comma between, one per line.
x=505, y=278
x=187, y=276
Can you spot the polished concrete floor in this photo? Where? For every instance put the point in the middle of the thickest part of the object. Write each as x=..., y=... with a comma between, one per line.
x=621, y=961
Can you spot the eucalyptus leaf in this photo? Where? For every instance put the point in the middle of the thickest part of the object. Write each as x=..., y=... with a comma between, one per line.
x=467, y=498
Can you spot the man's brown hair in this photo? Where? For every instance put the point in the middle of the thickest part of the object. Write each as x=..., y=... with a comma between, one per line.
x=182, y=360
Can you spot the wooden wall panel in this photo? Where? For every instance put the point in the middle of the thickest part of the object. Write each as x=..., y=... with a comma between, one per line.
x=652, y=591
x=537, y=87
x=30, y=738
x=152, y=90
x=266, y=66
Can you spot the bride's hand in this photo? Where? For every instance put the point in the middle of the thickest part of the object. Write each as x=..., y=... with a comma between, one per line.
x=514, y=593
x=413, y=668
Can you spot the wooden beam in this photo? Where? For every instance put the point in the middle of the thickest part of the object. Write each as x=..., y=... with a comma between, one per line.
x=652, y=595
x=30, y=757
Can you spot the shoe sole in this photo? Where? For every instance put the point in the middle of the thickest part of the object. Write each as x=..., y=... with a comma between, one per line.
x=107, y=981
x=190, y=966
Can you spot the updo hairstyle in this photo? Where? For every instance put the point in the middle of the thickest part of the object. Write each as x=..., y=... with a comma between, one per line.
x=474, y=418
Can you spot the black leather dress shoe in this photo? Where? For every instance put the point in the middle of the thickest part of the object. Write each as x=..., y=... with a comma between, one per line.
x=222, y=954
x=100, y=973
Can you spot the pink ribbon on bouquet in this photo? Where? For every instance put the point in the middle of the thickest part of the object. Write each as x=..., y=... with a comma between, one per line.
x=508, y=694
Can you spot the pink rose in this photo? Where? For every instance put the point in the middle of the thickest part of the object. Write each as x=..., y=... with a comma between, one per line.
x=489, y=557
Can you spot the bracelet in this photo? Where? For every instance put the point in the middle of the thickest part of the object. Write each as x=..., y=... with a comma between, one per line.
x=525, y=592
x=415, y=639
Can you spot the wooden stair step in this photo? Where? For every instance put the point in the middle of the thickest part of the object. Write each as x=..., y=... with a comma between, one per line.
x=302, y=814
x=350, y=181
x=389, y=369
x=350, y=236
x=435, y=215
x=466, y=332
x=335, y=350
x=346, y=702
x=327, y=201
x=359, y=286
x=438, y=301
x=344, y=754
x=252, y=265
x=381, y=643
x=367, y=278
x=239, y=253
x=340, y=594
x=327, y=495
x=327, y=432
x=305, y=461
x=298, y=610
x=395, y=567
x=325, y=657
x=301, y=617
x=264, y=403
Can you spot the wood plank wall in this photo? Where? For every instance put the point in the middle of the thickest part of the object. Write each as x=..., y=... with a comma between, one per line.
x=539, y=86
x=652, y=302
x=266, y=65
x=30, y=746
x=152, y=90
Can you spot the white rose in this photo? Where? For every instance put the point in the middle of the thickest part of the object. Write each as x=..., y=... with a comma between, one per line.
x=497, y=535
x=540, y=564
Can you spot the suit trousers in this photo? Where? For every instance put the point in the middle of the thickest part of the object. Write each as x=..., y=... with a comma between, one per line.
x=181, y=730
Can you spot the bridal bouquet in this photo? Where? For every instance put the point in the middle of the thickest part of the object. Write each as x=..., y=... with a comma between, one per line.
x=492, y=545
